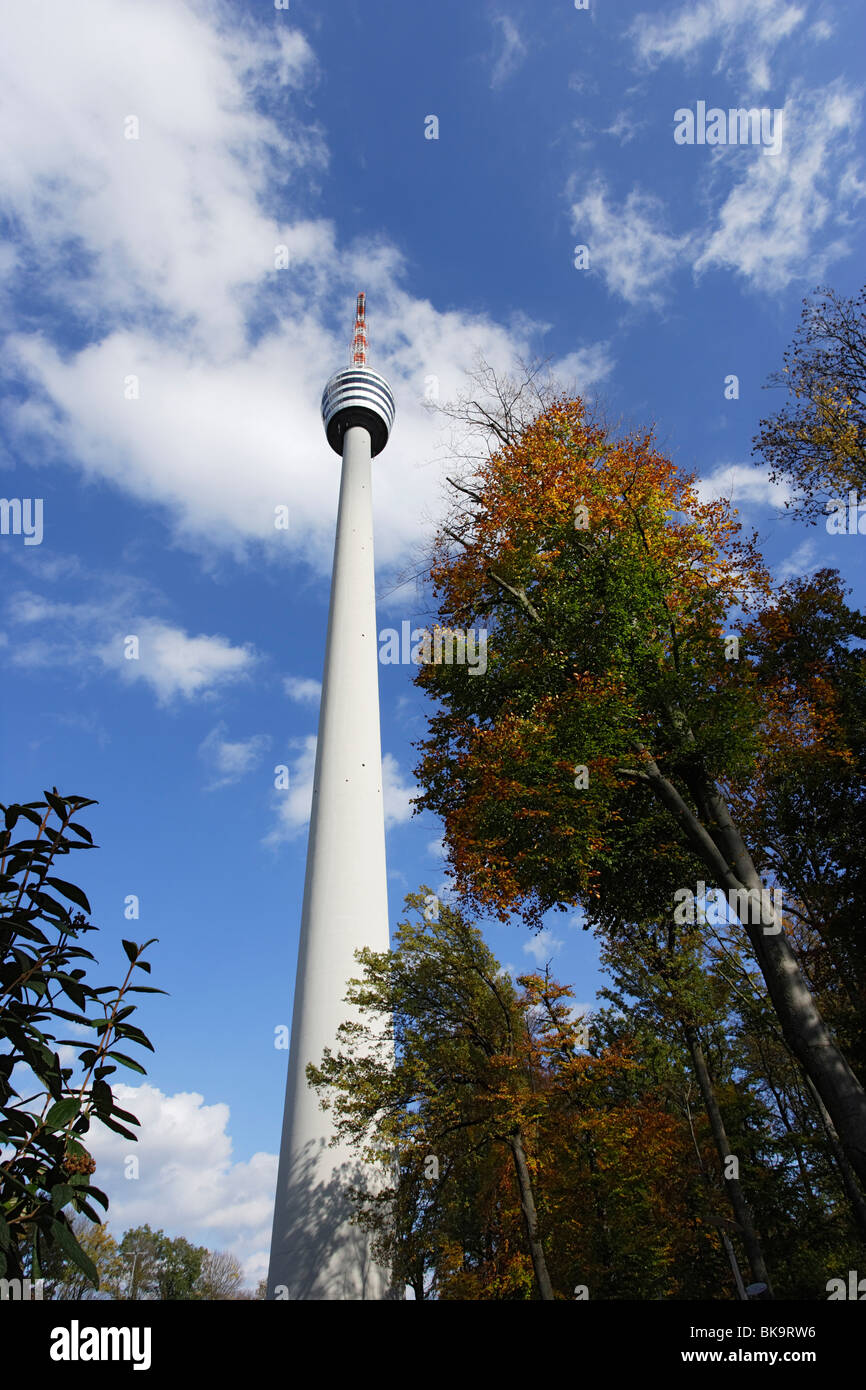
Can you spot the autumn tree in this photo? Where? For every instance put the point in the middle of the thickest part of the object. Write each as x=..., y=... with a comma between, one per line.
x=459, y=1083
x=600, y=758
x=660, y=966
x=220, y=1276
x=807, y=805
x=64, y=1279
x=816, y=442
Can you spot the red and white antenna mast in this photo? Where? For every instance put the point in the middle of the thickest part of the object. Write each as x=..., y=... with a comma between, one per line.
x=359, y=342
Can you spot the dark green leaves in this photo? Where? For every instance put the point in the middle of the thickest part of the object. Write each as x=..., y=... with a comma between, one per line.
x=42, y=966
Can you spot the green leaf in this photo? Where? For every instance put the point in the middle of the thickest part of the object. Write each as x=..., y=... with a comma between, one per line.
x=70, y=891
x=62, y=1112
x=127, y=1030
x=57, y=804
x=61, y=1194
x=81, y=830
x=118, y=1128
x=62, y=1235
x=127, y=1062
x=130, y=948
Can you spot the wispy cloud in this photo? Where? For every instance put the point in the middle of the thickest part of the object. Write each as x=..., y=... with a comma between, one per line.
x=744, y=34
x=107, y=635
x=230, y=760
x=770, y=220
x=789, y=216
x=799, y=563
x=628, y=243
x=511, y=54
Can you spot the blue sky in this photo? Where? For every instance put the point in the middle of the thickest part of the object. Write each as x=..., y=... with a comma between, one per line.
x=161, y=386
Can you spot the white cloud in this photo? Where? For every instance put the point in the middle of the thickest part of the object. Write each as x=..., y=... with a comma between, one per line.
x=174, y=277
x=302, y=689
x=742, y=483
x=173, y=663
x=799, y=563
x=95, y=634
x=512, y=54
x=628, y=244
x=744, y=33
x=543, y=945
x=782, y=217
x=293, y=803
x=584, y=368
x=230, y=761
x=397, y=793
x=787, y=216
x=188, y=1184
x=200, y=161
x=625, y=127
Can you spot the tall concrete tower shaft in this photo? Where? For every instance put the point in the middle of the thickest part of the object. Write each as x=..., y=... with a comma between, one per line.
x=315, y=1253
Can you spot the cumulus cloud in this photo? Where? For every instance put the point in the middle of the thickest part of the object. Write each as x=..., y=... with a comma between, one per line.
x=174, y=663
x=229, y=760
x=303, y=690
x=543, y=945
x=97, y=635
x=205, y=348
x=187, y=1182
x=742, y=483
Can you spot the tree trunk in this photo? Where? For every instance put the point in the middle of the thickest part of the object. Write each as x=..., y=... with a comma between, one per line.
x=732, y=1260
x=849, y=1181
x=736, y=1196
x=530, y=1217
x=718, y=843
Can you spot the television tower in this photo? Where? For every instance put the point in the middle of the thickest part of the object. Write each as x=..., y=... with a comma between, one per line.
x=315, y=1252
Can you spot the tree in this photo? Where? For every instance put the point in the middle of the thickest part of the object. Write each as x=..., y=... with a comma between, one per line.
x=159, y=1266
x=63, y=1277
x=459, y=1085
x=220, y=1276
x=45, y=1165
x=609, y=588
x=817, y=441
x=809, y=809
x=660, y=965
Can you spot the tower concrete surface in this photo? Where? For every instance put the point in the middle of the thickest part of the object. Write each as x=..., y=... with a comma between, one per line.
x=315, y=1252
